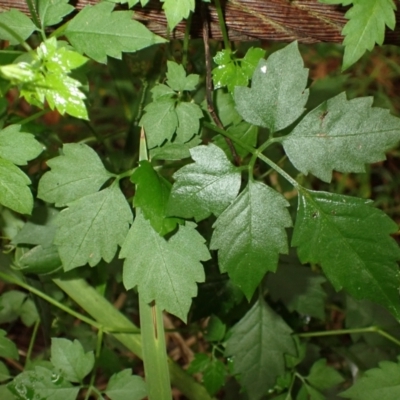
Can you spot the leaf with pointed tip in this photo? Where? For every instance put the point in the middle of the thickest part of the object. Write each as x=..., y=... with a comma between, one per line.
x=258, y=344
x=125, y=386
x=164, y=271
x=92, y=228
x=98, y=31
x=8, y=349
x=18, y=23
x=341, y=134
x=278, y=91
x=205, y=187
x=74, y=174
x=177, y=79
x=189, y=115
x=18, y=147
x=52, y=12
x=250, y=234
x=322, y=376
x=351, y=241
x=177, y=10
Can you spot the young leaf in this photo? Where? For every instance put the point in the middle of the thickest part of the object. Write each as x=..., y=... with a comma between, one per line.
x=70, y=359
x=214, y=376
x=14, y=190
x=278, y=91
x=74, y=174
x=250, y=61
x=52, y=12
x=366, y=26
x=258, y=344
x=225, y=107
x=377, y=383
x=189, y=115
x=250, y=234
x=18, y=147
x=164, y=271
x=125, y=386
x=19, y=26
x=98, y=31
x=152, y=193
x=341, y=134
x=177, y=79
x=205, y=187
x=176, y=10
x=307, y=392
x=8, y=349
x=41, y=383
x=350, y=240
x=92, y=228
x=215, y=330
x=323, y=377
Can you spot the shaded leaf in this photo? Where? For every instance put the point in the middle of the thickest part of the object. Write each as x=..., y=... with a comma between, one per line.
x=125, y=386
x=18, y=26
x=189, y=115
x=214, y=376
x=8, y=349
x=322, y=376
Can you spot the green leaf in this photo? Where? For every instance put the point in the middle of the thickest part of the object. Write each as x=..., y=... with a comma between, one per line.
x=307, y=392
x=160, y=121
x=52, y=12
x=366, y=26
x=124, y=386
x=92, y=228
x=10, y=305
x=15, y=26
x=199, y=363
x=258, y=344
x=250, y=234
x=381, y=383
x=164, y=271
x=39, y=260
x=42, y=384
x=4, y=374
x=323, y=377
x=214, y=376
x=336, y=231
x=74, y=174
x=174, y=151
x=18, y=147
x=299, y=289
x=130, y=3
x=176, y=10
x=98, y=31
x=177, y=79
x=250, y=61
x=278, y=91
x=215, y=330
x=8, y=349
x=225, y=107
x=70, y=359
x=152, y=193
x=205, y=187
x=28, y=313
x=160, y=90
x=14, y=190
x=189, y=115
x=341, y=134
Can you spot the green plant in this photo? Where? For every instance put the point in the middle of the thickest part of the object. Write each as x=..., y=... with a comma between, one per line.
x=115, y=203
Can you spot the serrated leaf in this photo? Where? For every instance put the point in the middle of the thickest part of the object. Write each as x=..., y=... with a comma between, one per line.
x=366, y=26
x=278, y=91
x=18, y=147
x=381, y=383
x=130, y=3
x=41, y=383
x=74, y=174
x=250, y=234
x=322, y=376
x=177, y=79
x=92, y=228
x=18, y=23
x=70, y=359
x=8, y=349
x=258, y=344
x=164, y=271
x=152, y=193
x=125, y=386
x=160, y=121
x=174, y=151
x=350, y=240
x=341, y=134
x=199, y=363
x=214, y=376
x=14, y=190
x=161, y=90
x=189, y=115
x=205, y=187
x=98, y=31
x=52, y=12
x=299, y=289
x=176, y=10
x=250, y=61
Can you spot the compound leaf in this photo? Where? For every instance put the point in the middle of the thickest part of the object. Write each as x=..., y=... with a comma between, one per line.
x=164, y=271
x=351, y=241
x=18, y=147
x=125, y=386
x=205, y=187
x=377, y=384
x=51, y=12
x=189, y=115
x=177, y=79
x=70, y=359
x=258, y=344
x=98, y=31
x=278, y=91
x=74, y=174
x=176, y=10
x=366, y=26
x=92, y=227
x=214, y=376
x=250, y=234
x=20, y=27
x=341, y=134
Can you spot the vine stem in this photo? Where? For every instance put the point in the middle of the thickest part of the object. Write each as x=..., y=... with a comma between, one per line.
x=222, y=26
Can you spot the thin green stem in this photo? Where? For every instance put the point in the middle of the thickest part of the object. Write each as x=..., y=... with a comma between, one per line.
x=186, y=40
x=222, y=25
x=33, y=117
x=32, y=10
x=99, y=345
x=126, y=174
x=265, y=174
x=32, y=342
x=17, y=37
x=60, y=30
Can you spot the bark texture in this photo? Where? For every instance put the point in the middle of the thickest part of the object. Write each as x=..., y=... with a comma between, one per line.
x=278, y=20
